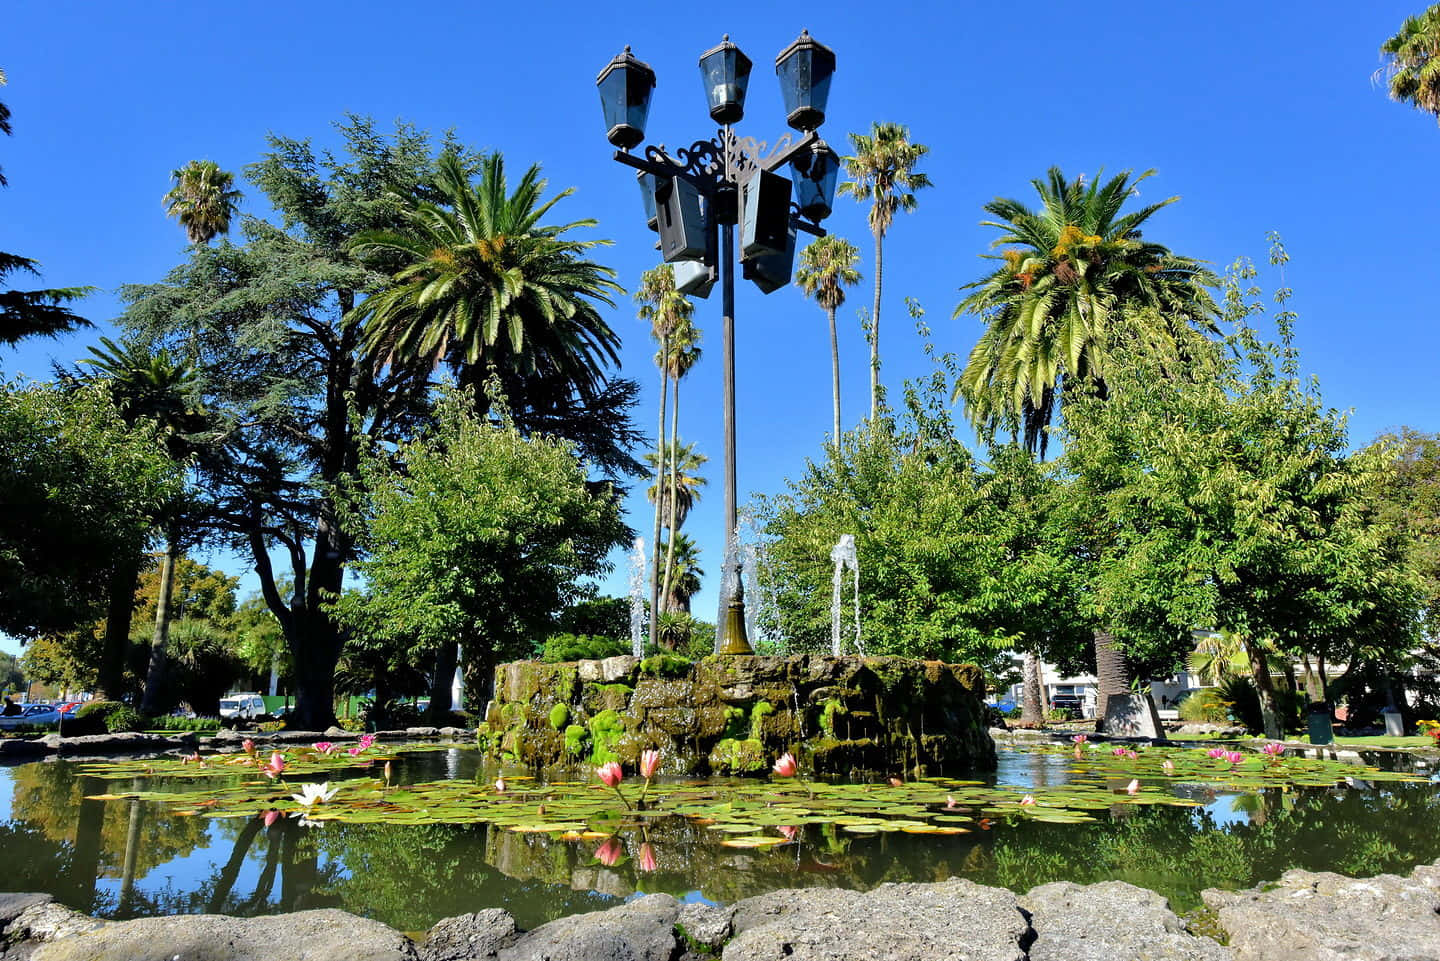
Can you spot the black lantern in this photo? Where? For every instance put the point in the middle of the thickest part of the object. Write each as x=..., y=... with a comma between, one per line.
x=725, y=72
x=805, y=68
x=815, y=176
x=625, y=86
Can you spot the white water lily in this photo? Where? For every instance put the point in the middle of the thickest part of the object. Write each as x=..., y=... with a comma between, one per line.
x=312, y=794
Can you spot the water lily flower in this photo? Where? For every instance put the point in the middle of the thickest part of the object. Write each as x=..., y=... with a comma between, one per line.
x=388, y=773
x=1133, y=787
x=1168, y=766
x=649, y=763
x=609, y=853
x=500, y=785
x=271, y=816
x=366, y=740
x=1027, y=800
x=950, y=802
x=1079, y=739
x=1132, y=755
x=1119, y=752
x=646, y=859
x=785, y=765
x=355, y=751
x=1274, y=749
x=788, y=831
x=611, y=774
x=1234, y=757
x=312, y=794
x=275, y=767
x=324, y=747
x=248, y=746
x=1215, y=752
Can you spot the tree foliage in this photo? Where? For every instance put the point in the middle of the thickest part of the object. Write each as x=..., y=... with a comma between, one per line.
x=1412, y=62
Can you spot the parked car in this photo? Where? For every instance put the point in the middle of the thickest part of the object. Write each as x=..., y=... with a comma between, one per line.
x=241, y=706
x=1073, y=704
x=30, y=715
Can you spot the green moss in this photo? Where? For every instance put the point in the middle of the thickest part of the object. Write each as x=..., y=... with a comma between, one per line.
x=565, y=677
x=758, y=714
x=665, y=665
x=606, y=729
x=610, y=697
x=693, y=946
x=559, y=714
x=732, y=756
x=735, y=723
x=512, y=714
x=577, y=740
x=832, y=709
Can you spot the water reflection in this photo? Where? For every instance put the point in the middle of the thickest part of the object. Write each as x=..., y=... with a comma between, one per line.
x=126, y=859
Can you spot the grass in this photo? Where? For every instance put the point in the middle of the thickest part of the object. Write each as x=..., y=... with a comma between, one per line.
x=1404, y=743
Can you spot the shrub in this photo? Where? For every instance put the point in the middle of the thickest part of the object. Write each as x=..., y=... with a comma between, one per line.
x=582, y=647
x=169, y=722
x=124, y=718
x=93, y=718
x=1205, y=706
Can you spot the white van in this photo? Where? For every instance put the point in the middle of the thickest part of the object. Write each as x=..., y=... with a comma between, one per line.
x=237, y=706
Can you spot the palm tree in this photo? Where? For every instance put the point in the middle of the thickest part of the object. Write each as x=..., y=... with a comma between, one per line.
x=203, y=198
x=683, y=355
x=1075, y=281
x=153, y=386
x=882, y=171
x=668, y=311
x=485, y=284
x=1412, y=62
x=827, y=267
x=685, y=582
x=4, y=123
x=688, y=482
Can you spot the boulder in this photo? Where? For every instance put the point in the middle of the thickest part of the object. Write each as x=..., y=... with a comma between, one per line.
x=642, y=930
x=704, y=927
x=1109, y=921
x=470, y=937
x=326, y=935
x=1132, y=715
x=954, y=920
x=1319, y=916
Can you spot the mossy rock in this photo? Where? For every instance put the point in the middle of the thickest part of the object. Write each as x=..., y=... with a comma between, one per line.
x=577, y=741
x=666, y=665
x=606, y=729
x=830, y=712
x=559, y=714
x=607, y=697
x=758, y=714
x=733, y=756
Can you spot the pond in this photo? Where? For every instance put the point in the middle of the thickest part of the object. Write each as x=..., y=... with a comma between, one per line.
x=1176, y=833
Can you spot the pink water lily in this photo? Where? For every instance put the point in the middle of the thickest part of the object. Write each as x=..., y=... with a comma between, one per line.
x=270, y=817
x=324, y=747
x=785, y=765
x=1274, y=749
x=645, y=860
x=366, y=740
x=611, y=774
x=1168, y=766
x=649, y=763
x=1133, y=787
x=788, y=831
x=1119, y=752
x=248, y=746
x=1027, y=800
x=355, y=750
x=1215, y=752
x=1235, y=757
x=1079, y=739
x=500, y=785
x=275, y=767
x=950, y=802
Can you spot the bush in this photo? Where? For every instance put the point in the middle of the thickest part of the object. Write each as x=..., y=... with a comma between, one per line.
x=1205, y=706
x=93, y=718
x=169, y=722
x=581, y=647
x=124, y=718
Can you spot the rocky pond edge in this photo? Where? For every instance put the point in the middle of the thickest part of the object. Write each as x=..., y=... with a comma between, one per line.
x=1305, y=916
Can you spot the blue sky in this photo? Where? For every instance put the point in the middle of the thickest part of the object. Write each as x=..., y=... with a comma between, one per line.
x=1260, y=116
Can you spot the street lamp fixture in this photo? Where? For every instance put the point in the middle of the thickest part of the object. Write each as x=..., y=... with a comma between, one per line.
x=697, y=196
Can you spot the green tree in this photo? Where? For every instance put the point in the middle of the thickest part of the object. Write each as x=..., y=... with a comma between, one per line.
x=680, y=492
x=477, y=534
x=12, y=675
x=1231, y=502
x=1409, y=499
x=269, y=327
x=1412, y=62
x=827, y=267
x=82, y=489
x=882, y=173
x=203, y=199
x=682, y=579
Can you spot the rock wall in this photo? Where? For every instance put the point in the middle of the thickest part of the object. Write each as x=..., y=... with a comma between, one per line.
x=734, y=715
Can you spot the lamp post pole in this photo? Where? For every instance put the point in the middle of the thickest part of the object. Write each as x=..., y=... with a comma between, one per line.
x=725, y=171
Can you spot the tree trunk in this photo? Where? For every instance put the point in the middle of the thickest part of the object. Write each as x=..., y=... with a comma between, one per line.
x=1324, y=681
x=659, y=495
x=86, y=847
x=118, y=615
x=446, y=659
x=875, y=326
x=672, y=507
x=315, y=646
x=1314, y=690
x=835, y=375
x=155, y=676
x=1032, y=714
x=231, y=871
x=1111, y=672
x=1265, y=688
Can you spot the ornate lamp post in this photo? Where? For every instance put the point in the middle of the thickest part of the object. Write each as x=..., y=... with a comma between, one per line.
x=697, y=196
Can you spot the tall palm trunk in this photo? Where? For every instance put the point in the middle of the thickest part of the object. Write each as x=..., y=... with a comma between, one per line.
x=671, y=508
x=1032, y=714
x=835, y=374
x=118, y=615
x=155, y=675
x=1111, y=672
x=875, y=325
x=1265, y=687
x=659, y=490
